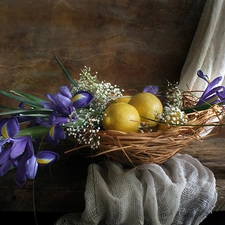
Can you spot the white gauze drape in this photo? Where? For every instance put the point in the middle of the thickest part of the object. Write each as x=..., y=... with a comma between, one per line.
x=181, y=191
x=207, y=51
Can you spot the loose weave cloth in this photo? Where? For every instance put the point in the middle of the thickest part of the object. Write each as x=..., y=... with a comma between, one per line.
x=180, y=191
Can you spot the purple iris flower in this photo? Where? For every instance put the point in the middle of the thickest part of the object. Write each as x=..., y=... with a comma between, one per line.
x=61, y=99
x=46, y=157
x=55, y=134
x=213, y=94
x=9, y=127
x=18, y=152
x=56, y=131
x=151, y=89
x=28, y=165
x=52, y=120
x=60, y=103
x=82, y=99
x=64, y=100
x=13, y=148
x=203, y=76
x=63, y=103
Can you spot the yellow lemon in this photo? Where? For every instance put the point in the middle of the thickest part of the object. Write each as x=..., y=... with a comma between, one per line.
x=123, y=99
x=121, y=116
x=148, y=105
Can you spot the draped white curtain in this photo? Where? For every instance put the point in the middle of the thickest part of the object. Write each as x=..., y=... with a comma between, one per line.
x=207, y=51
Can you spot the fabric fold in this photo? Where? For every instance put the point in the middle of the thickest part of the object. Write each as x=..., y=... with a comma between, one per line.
x=206, y=52
x=180, y=191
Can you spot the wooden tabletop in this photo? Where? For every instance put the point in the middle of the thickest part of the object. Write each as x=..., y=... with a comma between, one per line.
x=60, y=187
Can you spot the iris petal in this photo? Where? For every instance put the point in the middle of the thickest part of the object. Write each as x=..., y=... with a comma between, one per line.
x=82, y=99
x=64, y=90
x=2, y=122
x=221, y=94
x=62, y=100
x=20, y=175
x=213, y=91
x=27, y=166
x=57, y=120
x=2, y=143
x=43, y=121
x=18, y=146
x=51, y=97
x=4, y=168
x=151, y=89
x=48, y=105
x=210, y=96
x=4, y=155
x=210, y=90
x=203, y=76
x=31, y=167
x=56, y=133
x=10, y=128
x=29, y=147
x=47, y=157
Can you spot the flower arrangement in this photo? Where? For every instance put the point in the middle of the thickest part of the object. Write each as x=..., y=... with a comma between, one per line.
x=77, y=112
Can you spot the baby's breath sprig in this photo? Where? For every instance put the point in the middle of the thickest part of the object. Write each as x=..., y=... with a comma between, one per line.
x=173, y=95
x=104, y=92
x=172, y=113
x=85, y=129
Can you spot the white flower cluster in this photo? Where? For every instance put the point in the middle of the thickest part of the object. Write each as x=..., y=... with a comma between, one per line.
x=86, y=128
x=172, y=113
x=103, y=92
x=174, y=95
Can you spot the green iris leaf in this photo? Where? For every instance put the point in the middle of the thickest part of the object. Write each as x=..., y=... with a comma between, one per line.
x=27, y=112
x=65, y=71
x=27, y=96
x=197, y=108
x=25, y=100
x=33, y=131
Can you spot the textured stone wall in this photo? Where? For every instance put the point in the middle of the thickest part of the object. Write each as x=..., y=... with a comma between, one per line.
x=130, y=43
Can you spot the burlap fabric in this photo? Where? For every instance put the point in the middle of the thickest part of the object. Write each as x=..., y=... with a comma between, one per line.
x=180, y=191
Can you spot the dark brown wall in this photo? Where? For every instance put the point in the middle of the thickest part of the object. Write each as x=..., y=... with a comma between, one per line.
x=130, y=43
